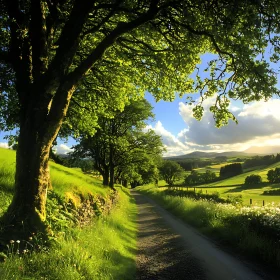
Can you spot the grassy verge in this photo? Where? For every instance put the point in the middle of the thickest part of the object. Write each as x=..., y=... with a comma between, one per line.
x=104, y=250
x=87, y=244
x=254, y=231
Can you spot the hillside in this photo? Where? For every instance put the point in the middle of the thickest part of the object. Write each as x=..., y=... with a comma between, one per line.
x=198, y=154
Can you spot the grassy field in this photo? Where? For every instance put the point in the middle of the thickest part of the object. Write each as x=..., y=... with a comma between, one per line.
x=104, y=249
x=234, y=186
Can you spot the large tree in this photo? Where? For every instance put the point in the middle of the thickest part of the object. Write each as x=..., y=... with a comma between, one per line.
x=49, y=48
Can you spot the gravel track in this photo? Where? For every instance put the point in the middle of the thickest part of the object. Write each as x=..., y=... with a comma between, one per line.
x=170, y=249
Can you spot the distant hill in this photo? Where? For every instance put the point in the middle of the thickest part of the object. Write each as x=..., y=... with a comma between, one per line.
x=263, y=150
x=199, y=154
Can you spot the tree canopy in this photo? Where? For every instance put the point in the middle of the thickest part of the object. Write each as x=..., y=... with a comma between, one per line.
x=170, y=171
x=120, y=148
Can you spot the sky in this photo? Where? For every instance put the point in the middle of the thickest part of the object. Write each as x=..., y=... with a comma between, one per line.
x=258, y=125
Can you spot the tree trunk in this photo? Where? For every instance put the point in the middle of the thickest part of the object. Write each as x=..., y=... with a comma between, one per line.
x=105, y=176
x=39, y=127
x=27, y=212
x=112, y=177
x=125, y=183
x=112, y=168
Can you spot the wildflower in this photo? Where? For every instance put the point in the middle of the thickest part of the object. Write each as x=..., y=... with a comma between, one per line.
x=18, y=241
x=12, y=241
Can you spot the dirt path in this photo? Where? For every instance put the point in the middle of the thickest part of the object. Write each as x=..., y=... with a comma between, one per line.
x=169, y=249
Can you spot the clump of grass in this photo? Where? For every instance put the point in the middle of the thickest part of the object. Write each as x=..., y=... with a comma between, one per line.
x=253, y=230
x=104, y=250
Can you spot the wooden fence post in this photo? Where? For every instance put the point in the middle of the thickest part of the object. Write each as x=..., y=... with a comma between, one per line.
x=251, y=201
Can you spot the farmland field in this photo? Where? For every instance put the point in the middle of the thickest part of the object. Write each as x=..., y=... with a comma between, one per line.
x=234, y=186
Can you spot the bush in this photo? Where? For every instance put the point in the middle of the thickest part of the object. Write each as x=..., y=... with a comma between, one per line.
x=273, y=176
x=231, y=170
x=253, y=179
x=272, y=192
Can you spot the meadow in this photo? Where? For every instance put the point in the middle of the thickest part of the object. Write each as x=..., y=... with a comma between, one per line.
x=105, y=248
x=234, y=186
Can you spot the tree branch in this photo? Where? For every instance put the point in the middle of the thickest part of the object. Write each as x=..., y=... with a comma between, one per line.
x=109, y=40
x=68, y=44
x=38, y=35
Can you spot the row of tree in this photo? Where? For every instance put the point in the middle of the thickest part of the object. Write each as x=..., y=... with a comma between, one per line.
x=261, y=160
x=121, y=149
x=196, y=178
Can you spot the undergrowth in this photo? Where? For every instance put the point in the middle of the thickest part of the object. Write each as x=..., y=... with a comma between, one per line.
x=103, y=250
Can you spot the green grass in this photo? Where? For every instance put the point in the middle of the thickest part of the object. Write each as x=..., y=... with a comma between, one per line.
x=104, y=250
x=69, y=183
x=234, y=186
x=253, y=231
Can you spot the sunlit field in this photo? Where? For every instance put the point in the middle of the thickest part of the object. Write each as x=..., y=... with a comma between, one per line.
x=234, y=186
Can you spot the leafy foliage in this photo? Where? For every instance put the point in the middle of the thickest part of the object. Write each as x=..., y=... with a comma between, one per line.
x=273, y=176
x=170, y=171
x=231, y=170
x=253, y=179
x=120, y=149
x=200, y=178
x=261, y=160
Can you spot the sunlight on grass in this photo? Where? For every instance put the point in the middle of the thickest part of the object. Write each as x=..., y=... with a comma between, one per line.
x=65, y=181
x=104, y=250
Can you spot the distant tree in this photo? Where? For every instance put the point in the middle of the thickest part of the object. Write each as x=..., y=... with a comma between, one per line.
x=221, y=158
x=209, y=176
x=200, y=178
x=277, y=158
x=170, y=171
x=231, y=170
x=259, y=160
x=273, y=176
x=253, y=179
x=193, y=178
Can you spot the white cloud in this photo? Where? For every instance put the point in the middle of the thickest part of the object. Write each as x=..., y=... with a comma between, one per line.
x=62, y=149
x=258, y=125
x=257, y=119
x=4, y=145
